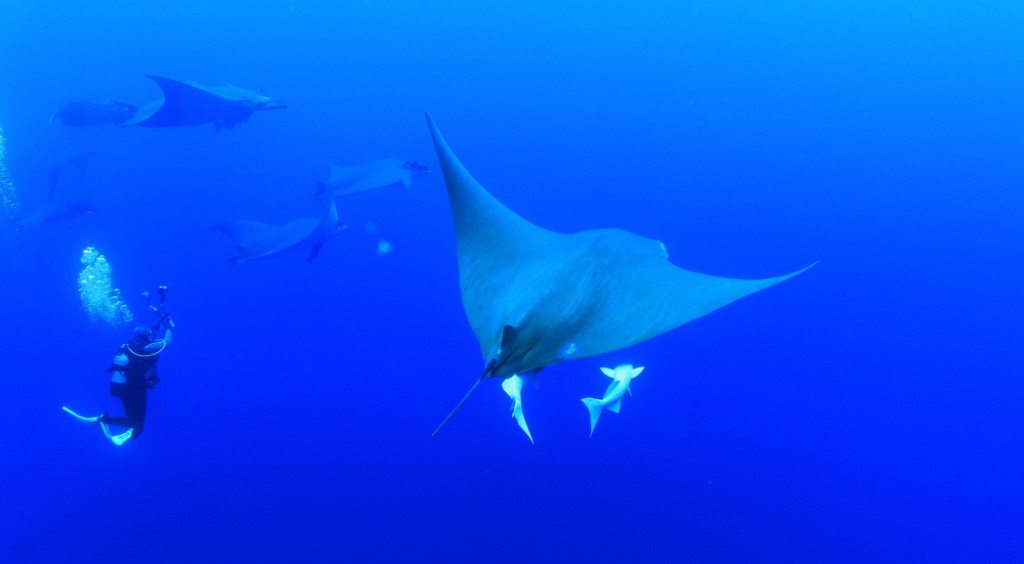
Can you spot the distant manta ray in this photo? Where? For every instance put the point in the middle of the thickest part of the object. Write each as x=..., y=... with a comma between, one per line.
x=535, y=297
x=189, y=103
x=183, y=103
x=372, y=175
x=56, y=212
x=86, y=113
x=55, y=170
x=255, y=240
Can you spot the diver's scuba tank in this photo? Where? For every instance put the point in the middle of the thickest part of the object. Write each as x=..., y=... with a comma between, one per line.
x=118, y=366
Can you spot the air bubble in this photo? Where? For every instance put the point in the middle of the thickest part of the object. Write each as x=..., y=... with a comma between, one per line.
x=100, y=299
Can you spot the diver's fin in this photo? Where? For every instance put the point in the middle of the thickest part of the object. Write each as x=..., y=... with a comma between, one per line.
x=594, y=407
x=81, y=418
x=118, y=439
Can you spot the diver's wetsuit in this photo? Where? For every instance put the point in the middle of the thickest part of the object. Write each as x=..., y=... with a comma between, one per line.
x=132, y=374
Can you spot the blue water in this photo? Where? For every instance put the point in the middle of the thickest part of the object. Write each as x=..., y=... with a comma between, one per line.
x=868, y=410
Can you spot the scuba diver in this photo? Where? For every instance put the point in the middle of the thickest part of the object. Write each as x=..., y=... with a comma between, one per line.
x=133, y=373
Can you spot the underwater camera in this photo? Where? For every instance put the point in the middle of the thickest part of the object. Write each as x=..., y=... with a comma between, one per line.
x=161, y=309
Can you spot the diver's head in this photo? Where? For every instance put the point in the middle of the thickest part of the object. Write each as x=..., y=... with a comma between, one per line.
x=143, y=334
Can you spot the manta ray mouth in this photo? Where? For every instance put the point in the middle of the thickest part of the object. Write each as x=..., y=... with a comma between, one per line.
x=511, y=365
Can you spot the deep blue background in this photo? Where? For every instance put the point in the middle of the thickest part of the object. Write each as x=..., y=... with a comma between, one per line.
x=866, y=410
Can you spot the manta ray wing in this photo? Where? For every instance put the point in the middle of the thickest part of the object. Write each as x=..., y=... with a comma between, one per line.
x=230, y=92
x=85, y=113
x=494, y=244
x=188, y=103
x=631, y=292
x=256, y=240
x=383, y=173
x=535, y=297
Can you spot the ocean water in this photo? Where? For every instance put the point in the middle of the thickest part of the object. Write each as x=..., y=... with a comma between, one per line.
x=867, y=410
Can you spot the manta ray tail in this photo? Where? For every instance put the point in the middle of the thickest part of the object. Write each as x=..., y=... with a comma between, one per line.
x=595, y=408
x=488, y=370
x=458, y=405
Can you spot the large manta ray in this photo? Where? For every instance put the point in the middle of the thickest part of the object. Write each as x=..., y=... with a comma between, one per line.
x=183, y=103
x=189, y=103
x=535, y=297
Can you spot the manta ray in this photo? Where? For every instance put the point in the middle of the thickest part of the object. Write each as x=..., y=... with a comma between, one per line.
x=534, y=297
x=255, y=240
x=56, y=169
x=56, y=212
x=376, y=174
x=189, y=103
x=86, y=113
x=183, y=103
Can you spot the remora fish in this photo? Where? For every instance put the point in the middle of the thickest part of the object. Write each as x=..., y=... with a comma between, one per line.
x=621, y=377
